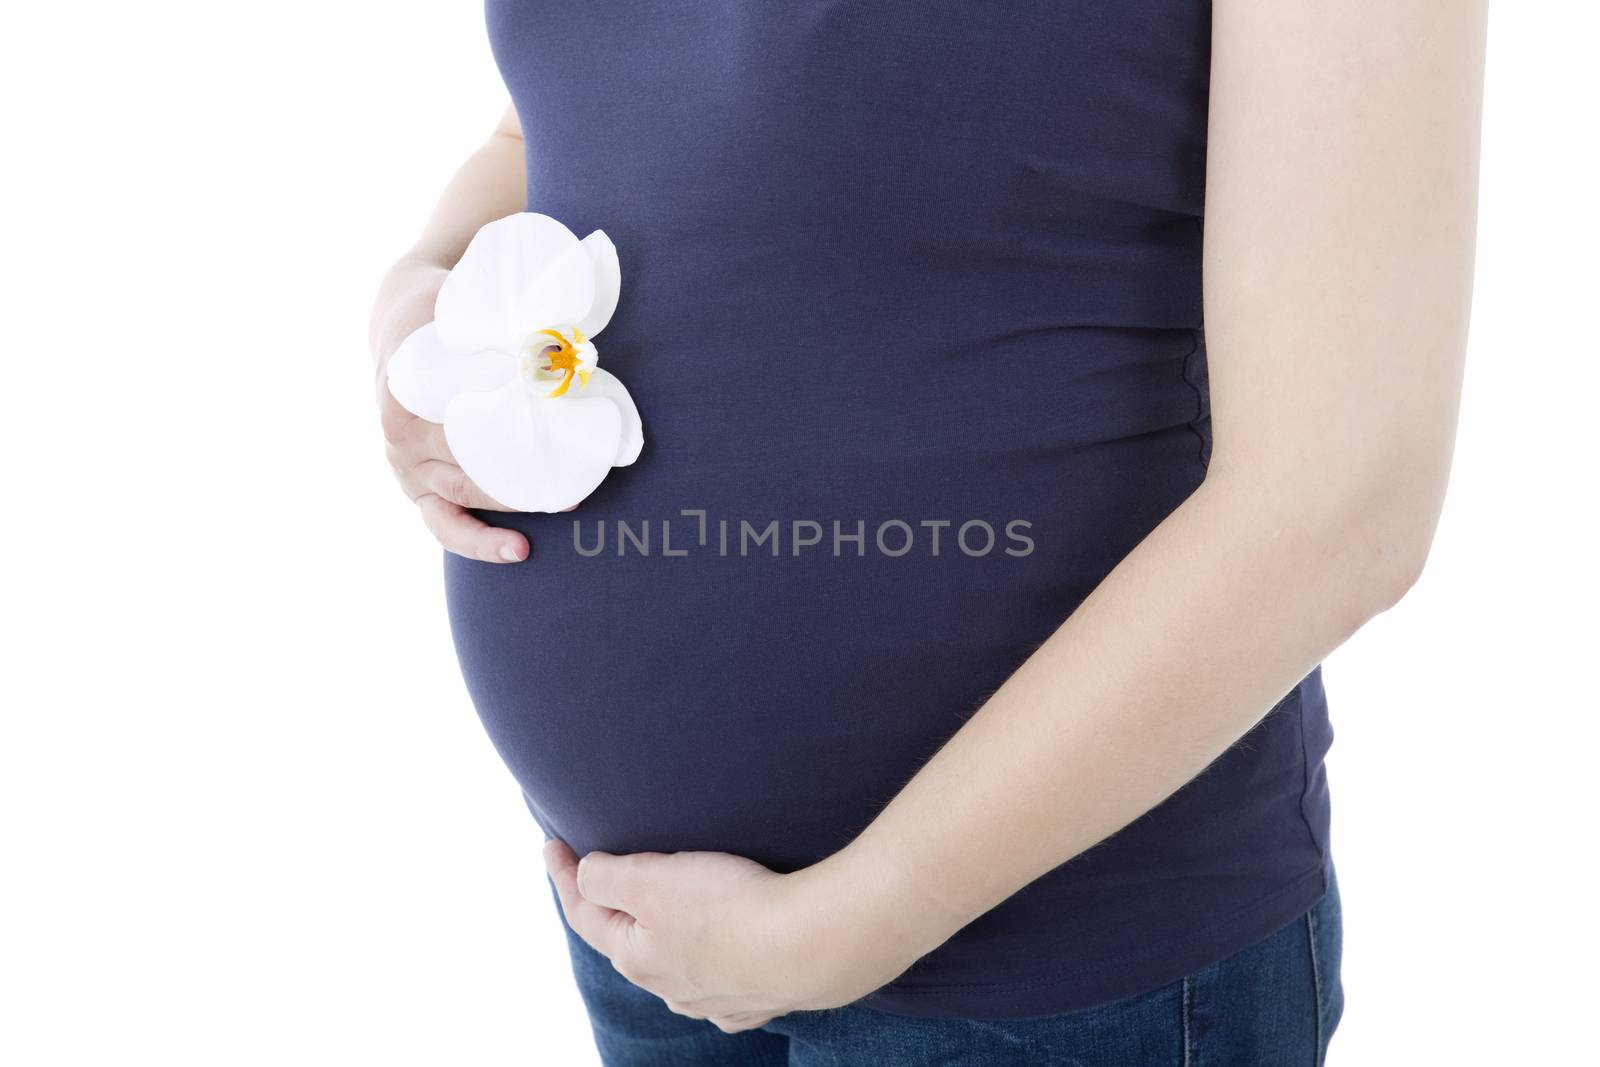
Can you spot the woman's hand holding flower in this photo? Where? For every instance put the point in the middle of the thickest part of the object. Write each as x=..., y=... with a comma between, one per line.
x=490, y=387
x=510, y=367
x=416, y=449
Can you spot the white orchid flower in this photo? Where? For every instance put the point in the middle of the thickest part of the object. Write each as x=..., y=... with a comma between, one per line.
x=509, y=365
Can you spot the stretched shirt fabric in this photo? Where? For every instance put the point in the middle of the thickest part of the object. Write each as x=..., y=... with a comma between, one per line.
x=911, y=310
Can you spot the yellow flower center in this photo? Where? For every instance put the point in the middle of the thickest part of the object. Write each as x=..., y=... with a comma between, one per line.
x=560, y=359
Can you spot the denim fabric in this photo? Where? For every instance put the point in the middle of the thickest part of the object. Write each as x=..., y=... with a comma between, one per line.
x=1273, y=1004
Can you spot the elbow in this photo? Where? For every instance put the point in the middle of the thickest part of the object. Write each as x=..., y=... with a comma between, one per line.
x=1385, y=546
x=1365, y=568
x=1361, y=539
x=1391, y=582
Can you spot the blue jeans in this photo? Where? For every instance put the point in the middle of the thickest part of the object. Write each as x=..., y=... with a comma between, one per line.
x=1274, y=1004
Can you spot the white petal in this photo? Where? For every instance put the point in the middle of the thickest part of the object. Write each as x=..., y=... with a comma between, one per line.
x=607, y=282
x=425, y=376
x=605, y=384
x=519, y=274
x=532, y=453
x=562, y=293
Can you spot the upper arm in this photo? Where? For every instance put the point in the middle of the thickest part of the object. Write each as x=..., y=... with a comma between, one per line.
x=1340, y=223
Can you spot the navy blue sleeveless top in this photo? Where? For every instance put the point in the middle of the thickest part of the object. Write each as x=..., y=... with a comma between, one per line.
x=911, y=311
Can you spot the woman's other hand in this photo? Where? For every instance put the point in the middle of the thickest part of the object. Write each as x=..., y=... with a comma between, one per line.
x=722, y=938
x=416, y=448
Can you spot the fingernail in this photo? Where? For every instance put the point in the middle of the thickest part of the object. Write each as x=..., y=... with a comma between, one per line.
x=510, y=553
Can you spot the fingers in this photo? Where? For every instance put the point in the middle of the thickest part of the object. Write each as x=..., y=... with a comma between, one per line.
x=728, y=1024
x=679, y=1008
x=466, y=535
x=396, y=421
x=733, y=1024
x=449, y=481
x=433, y=443
x=421, y=457
x=605, y=929
x=600, y=898
x=620, y=882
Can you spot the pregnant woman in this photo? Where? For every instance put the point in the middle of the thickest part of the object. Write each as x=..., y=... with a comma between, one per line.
x=941, y=683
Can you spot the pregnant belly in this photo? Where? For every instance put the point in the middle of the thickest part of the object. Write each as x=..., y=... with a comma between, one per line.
x=750, y=677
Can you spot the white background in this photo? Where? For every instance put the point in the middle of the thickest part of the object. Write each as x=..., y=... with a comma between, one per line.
x=249, y=816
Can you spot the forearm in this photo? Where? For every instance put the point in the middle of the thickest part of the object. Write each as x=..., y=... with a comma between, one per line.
x=1335, y=350
x=489, y=185
x=1338, y=238
x=1186, y=644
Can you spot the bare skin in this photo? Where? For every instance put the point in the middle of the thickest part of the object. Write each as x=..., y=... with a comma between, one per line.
x=1340, y=228
x=488, y=186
